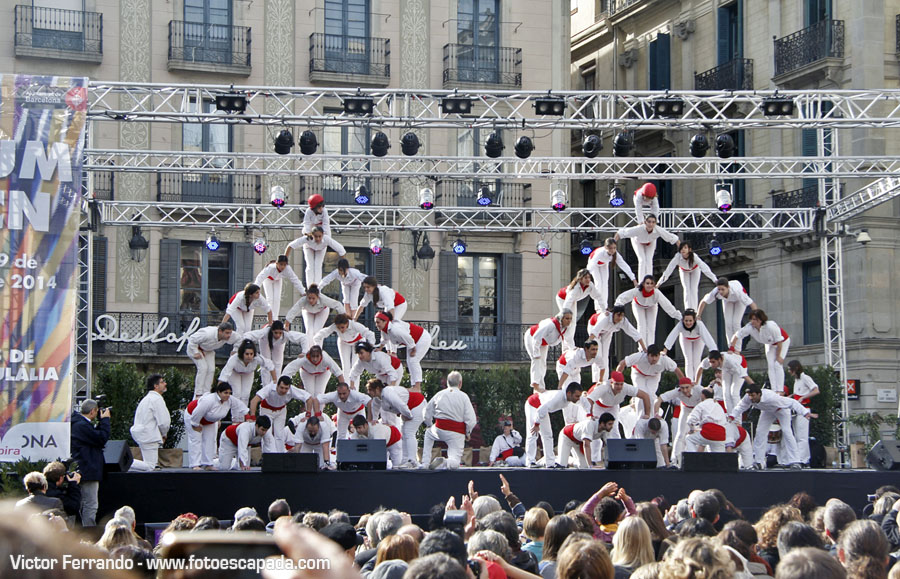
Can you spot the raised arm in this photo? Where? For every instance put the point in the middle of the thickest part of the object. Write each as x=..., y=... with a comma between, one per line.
x=673, y=263
x=705, y=270
x=667, y=306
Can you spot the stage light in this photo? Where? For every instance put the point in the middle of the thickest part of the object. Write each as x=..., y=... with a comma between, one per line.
x=380, y=144
x=555, y=106
x=484, y=196
x=410, y=144
x=777, y=106
x=284, y=142
x=714, y=247
x=616, y=197
x=622, y=144
x=586, y=247
x=724, y=196
x=668, y=107
x=359, y=105
x=277, y=196
x=456, y=105
x=493, y=147
x=308, y=143
x=524, y=147
x=591, y=146
x=459, y=246
x=426, y=198
x=699, y=145
x=376, y=246
x=231, y=102
x=543, y=248
x=724, y=146
x=260, y=245
x=362, y=196
x=558, y=200
x=212, y=241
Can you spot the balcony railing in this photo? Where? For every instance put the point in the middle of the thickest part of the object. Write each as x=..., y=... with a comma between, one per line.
x=339, y=190
x=805, y=197
x=465, y=193
x=198, y=43
x=69, y=31
x=497, y=66
x=190, y=188
x=353, y=55
x=104, y=185
x=824, y=39
x=618, y=5
x=736, y=74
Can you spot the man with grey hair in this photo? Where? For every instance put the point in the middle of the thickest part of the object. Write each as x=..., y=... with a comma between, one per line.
x=36, y=485
x=838, y=515
x=489, y=540
x=453, y=418
x=484, y=505
x=380, y=525
x=87, y=450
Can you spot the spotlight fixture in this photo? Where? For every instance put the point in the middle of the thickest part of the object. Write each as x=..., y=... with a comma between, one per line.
x=231, y=102
x=459, y=246
x=308, y=142
x=284, y=142
x=555, y=106
x=724, y=146
x=456, y=105
x=714, y=247
x=277, y=196
x=524, y=147
x=668, y=107
x=359, y=105
x=426, y=198
x=586, y=247
x=724, y=196
x=260, y=245
x=362, y=196
x=410, y=144
x=484, y=196
x=493, y=147
x=380, y=144
x=212, y=241
x=138, y=244
x=699, y=145
x=591, y=146
x=616, y=197
x=558, y=200
x=543, y=248
x=375, y=245
x=777, y=106
x=622, y=144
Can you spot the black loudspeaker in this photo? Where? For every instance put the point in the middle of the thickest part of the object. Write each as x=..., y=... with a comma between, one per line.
x=117, y=456
x=362, y=454
x=630, y=454
x=885, y=455
x=817, y=455
x=709, y=462
x=290, y=462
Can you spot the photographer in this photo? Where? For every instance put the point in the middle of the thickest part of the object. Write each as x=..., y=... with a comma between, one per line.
x=64, y=486
x=87, y=448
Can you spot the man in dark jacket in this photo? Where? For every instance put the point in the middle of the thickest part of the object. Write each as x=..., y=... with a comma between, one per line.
x=36, y=485
x=64, y=486
x=87, y=449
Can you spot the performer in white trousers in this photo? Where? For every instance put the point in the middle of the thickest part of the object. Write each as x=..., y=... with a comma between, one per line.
x=693, y=336
x=538, y=408
x=804, y=390
x=239, y=370
x=384, y=298
x=690, y=266
x=202, y=346
x=774, y=338
x=607, y=397
x=363, y=430
x=647, y=369
x=734, y=374
x=151, y=423
x=314, y=306
x=578, y=440
x=201, y=418
x=504, y=447
x=449, y=418
x=316, y=215
x=315, y=245
x=242, y=307
x=570, y=363
x=316, y=369
x=707, y=425
x=349, y=333
x=538, y=339
x=771, y=407
x=270, y=280
x=734, y=301
x=350, y=279
x=385, y=367
x=350, y=403
x=271, y=401
x=683, y=400
x=313, y=436
x=572, y=296
x=643, y=240
x=602, y=326
x=645, y=302
x=236, y=440
x=658, y=431
x=271, y=341
x=414, y=337
x=397, y=406
x=646, y=202
x=599, y=263
x=739, y=441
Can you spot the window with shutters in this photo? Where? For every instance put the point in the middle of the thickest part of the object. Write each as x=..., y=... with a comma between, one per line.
x=813, y=324
x=730, y=32
x=205, y=280
x=815, y=11
x=478, y=36
x=660, y=63
x=477, y=292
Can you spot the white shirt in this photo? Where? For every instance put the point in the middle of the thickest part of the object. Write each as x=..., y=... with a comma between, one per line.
x=707, y=411
x=351, y=405
x=768, y=402
x=305, y=365
x=207, y=339
x=312, y=219
x=354, y=333
x=587, y=429
x=572, y=295
x=602, y=324
x=551, y=401
x=640, y=234
x=262, y=336
x=641, y=430
x=548, y=332
x=698, y=332
x=238, y=304
x=269, y=394
x=736, y=293
x=314, y=245
x=324, y=302
x=247, y=437
x=236, y=366
x=732, y=363
x=387, y=299
x=503, y=443
x=400, y=333
x=679, y=261
x=383, y=366
x=641, y=362
x=572, y=361
x=270, y=272
x=394, y=400
x=600, y=259
x=642, y=204
x=451, y=404
x=353, y=276
x=377, y=431
x=769, y=333
x=211, y=408
x=804, y=385
x=151, y=419
x=674, y=396
x=302, y=437
x=637, y=297
x=602, y=395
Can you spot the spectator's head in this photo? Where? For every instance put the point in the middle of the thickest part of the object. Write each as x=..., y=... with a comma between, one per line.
x=249, y=524
x=725, y=505
x=437, y=565
x=35, y=483
x=489, y=541
x=696, y=528
x=279, y=508
x=817, y=520
x=632, y=544
x=803, y=502
x=795, y=535
x=535, y=522
x=337, y=516
x=402, y=547
x=572, y=505
x=884, y=504
x=583, y=521
x=207, y=524
x=697, y=558
x=244, y=512
x=771, y=522
x=436, y=517
x=446, y=542
x=137, y=555
x=116, y=536
x=609, y=511
x=557, y=531
x=863, y=550
x=705, y=506
x=127, y=515
x=652, y=516
x=838, y=515
x=383, y=524
x=809, y=563
x=315, y=521
x=730, y=538
x=584, y=559
x=880, y=491
x=414, y=531
x=485, y=505
x=55, y=473
x=180, y=523
x=90, y=409
x=390, y=569
x=505, y=524
x=682, y=510
x=548, y=508
x=344, y=535
x=744, y=531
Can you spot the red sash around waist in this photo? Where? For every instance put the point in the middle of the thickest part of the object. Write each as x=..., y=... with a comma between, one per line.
x=265, y=404
x=231, y=433
x=713, y=431
x=415, y=399
x=361, y=406
x=797, y=398
x=570, y=432
x=451, y=425
x=395, y=436
x=535, y=400
x=190, y=410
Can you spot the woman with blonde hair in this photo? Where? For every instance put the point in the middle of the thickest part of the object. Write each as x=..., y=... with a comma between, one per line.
x=403, y=547
x=116, y=536
x=632, y=545
x=697, y=559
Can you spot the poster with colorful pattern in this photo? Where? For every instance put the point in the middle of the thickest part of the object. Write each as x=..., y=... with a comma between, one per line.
x=42, y=121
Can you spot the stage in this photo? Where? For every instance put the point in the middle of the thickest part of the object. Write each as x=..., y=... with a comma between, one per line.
x=160, y=496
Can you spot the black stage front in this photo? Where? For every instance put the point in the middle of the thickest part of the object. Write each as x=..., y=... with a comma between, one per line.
x=162, y=495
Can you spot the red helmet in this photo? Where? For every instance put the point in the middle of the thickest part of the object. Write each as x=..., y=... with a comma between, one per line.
x=685, y=381
x=317, y=200
x=648, y=190
x=617, y=377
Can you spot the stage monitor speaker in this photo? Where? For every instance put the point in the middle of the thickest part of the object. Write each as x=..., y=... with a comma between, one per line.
x=290, y=462
x=885, y=455
x=117, y=456
x=362, y=454
x=631, y=454
x=709, y=462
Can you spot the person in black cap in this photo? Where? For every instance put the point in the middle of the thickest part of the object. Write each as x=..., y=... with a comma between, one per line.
x=344, y=535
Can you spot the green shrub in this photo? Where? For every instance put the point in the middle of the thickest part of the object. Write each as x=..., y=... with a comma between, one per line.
x=12, y=473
